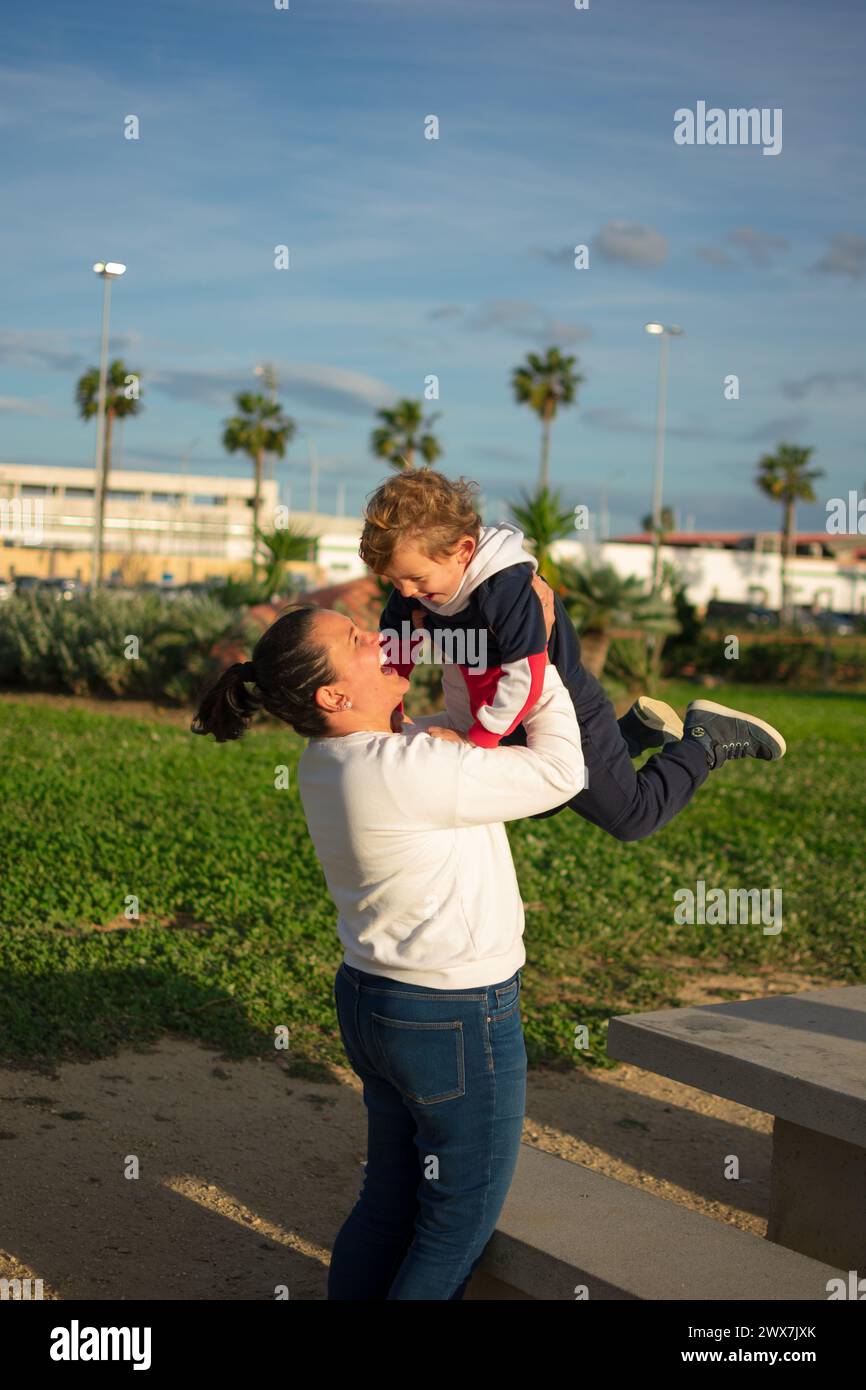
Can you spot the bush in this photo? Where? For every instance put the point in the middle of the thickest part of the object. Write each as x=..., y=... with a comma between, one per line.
x=236, y=593
x=80, y=645
x=777, y=662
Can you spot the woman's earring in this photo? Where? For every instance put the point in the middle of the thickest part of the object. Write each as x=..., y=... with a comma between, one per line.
x=347, y=704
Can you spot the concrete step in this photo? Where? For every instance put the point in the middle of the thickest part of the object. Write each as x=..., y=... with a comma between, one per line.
x=565, y=1226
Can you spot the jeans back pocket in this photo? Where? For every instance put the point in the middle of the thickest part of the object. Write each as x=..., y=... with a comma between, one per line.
x=506, y=995
x=424, y=1061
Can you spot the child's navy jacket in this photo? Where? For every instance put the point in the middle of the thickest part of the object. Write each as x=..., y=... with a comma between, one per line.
x=495, y=622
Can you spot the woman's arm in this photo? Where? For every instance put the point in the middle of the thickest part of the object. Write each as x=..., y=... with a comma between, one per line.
x=434, y=784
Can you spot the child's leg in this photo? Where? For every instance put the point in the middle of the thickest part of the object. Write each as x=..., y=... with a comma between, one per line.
x=628, y=804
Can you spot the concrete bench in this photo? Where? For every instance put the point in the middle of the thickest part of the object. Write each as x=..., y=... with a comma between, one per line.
x=800, y=1058
x=564, y=1225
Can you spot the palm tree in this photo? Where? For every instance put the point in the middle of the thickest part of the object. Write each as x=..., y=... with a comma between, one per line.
x=785, y=477
x=666, y=524
x=403, y=430
x=259, y=428
x=542, y=521
x=117, y=406
x=666, y=521
x=545, y=383
x=281, y=547
x=598, y=598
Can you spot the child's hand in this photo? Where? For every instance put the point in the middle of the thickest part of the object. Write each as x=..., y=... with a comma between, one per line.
x=545, y=594
x=450, y=734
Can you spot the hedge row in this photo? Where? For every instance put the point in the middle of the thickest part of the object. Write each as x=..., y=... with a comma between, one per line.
x=139, y=645
x=804, y=662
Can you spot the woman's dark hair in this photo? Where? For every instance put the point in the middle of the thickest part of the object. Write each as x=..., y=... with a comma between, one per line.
x=286, y=670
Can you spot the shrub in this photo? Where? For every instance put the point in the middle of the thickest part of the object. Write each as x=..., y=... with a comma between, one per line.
x=778, y=662
x=79, y=645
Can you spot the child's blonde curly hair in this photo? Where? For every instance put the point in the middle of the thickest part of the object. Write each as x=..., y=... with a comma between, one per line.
x=419, y=507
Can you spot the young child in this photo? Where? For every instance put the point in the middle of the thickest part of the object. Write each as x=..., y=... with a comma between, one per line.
x=423, y=533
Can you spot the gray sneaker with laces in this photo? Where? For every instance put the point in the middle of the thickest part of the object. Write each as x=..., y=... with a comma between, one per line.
x=725, y=733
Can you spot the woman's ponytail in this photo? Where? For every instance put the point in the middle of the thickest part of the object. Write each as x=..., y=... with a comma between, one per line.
x=228, y=707
x=287, y=669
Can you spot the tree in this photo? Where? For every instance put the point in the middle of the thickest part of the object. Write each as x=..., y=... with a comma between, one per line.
x=785, y=477
x=404, y=429
x=259, y=428
x=545, y=383
x=121, y=399
x=666, y=521
x=666, y=524
x=281, y=546
x=598, y=598
x=542, y=521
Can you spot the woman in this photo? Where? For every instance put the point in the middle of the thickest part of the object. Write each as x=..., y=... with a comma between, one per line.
x=408, y=826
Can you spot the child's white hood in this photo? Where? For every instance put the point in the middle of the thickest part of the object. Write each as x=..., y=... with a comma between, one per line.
x=498, y=548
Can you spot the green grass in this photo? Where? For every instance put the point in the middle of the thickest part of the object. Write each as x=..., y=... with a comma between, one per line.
x=236, y=934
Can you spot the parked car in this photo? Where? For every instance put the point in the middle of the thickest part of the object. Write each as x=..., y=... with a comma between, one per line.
x=749, y=614
x=837, y=624
x=199, y=588
x=61, y=588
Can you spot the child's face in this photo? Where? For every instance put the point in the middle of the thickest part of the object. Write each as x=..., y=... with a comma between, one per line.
x=417, y=576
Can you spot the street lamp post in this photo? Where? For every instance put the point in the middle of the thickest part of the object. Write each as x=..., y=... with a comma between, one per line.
x=665, y=333
x=108, y=270
x=604, y=510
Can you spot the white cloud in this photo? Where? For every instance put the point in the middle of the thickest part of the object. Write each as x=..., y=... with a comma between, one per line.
x=21, y=405
x=630, y=243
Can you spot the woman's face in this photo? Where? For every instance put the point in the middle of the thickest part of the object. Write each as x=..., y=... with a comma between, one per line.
x=356, y=655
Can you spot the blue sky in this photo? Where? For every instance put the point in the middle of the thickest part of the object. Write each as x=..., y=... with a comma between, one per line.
x=305, y=127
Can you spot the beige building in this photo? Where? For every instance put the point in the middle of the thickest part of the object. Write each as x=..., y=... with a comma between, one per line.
x=156, y=526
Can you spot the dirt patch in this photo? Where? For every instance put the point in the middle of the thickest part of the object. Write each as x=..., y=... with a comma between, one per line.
x=245, y=1172
x=125, y=709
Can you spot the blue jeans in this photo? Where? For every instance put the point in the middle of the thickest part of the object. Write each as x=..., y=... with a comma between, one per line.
x=444, y=1075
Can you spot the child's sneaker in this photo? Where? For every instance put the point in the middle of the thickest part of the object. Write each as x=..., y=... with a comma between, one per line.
x=649, y=724
x=729, y=733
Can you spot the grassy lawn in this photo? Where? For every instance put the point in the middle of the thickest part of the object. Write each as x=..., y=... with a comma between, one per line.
x=236, y=931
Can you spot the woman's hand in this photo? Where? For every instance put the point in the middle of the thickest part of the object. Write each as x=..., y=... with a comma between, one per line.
x=450, y=734
x=545, y=594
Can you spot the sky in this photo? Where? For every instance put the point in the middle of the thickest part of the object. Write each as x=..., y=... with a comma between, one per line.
x=410, y=257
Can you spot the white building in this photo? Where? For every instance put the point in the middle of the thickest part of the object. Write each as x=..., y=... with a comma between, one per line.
x=827, y=572
x=194, y=527
x=156, y=525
